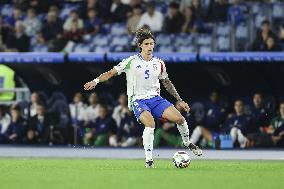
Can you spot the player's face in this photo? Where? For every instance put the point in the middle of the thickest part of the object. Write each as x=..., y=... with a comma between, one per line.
x=148, y=46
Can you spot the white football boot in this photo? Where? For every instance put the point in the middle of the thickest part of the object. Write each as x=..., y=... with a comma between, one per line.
x=149, y=164
x=195, y=149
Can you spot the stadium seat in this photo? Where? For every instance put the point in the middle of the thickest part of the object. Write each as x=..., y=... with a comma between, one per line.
x=223, y=29
x=122, y=40
x=258, y=19
x=116, y=48
x=65, y=10
x=100, y=40
x=278, y=11
x=241, y=37
x=164, y=39
x=242, y=31
x=81, y=47
x=7, y=10
x=183, y=39
x=118, y=29
x=101, y=49
x=185, y=49
x=205, y=49
x=203, y=39
x=259, y=8
x=87, y=38
x=166, y=48
x=223, y=43
x=39, y=48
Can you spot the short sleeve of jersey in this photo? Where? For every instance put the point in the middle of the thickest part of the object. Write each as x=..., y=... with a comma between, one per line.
x=123, y=65
x=163, y=74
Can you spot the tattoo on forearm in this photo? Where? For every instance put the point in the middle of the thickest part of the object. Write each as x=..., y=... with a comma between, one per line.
x=171, y=88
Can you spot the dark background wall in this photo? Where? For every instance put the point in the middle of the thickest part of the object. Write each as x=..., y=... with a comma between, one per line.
x=191, y=80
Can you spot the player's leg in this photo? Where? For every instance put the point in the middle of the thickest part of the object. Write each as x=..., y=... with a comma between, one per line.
x=173, y=115
x=142, y=113
x=148, y=136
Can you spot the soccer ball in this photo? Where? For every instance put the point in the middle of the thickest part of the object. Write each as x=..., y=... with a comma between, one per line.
x=181, y=159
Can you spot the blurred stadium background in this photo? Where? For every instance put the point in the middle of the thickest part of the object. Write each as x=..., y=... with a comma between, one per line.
x=224, y=56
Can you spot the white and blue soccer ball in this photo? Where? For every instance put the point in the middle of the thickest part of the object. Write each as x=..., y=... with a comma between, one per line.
x=181, y=159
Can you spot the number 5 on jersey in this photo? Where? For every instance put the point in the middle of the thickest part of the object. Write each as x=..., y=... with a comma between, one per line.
x=146, y=74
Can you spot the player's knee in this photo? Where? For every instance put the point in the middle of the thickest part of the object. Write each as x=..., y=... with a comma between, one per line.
x=150, y=124
x=180, y=120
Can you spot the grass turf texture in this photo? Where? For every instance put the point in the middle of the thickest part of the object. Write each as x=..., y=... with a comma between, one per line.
x=118, y=174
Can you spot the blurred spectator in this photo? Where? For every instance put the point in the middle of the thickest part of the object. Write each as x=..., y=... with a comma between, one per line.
x=121, y=109
x=32, y=23
x=4, y=31
x=16, y=16
x=91, y=4
x=271, y=45
x=260, y=42
x=129, y=131
x=188, y=25
x=174, y=20
x=277, y=121
x=41, y=6
x=134, y=19
x=18, y=41
x=281, y=34
x=272, y=135
x=217, y=11
x=5, y=121
x=75, y=33
x=134, y=3
x=40, y=126
x=259, y=114
x=235, y=13
x=239, y=124
x=52, y=27
x=16, y=131
x=92, y=111
x=197, y=11
x=54, y=9
x=35, y=100
x=152, y=18
x=104, y=126
x=184, y=4
x=73, y=21
x=215, y=116
x=118, y=11
x=77, y=109
x=93, y=24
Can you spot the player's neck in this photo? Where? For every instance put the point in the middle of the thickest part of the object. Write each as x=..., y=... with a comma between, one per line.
x=146, y=57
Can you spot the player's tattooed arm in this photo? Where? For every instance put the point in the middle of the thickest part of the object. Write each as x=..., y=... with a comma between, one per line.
x=171, y=88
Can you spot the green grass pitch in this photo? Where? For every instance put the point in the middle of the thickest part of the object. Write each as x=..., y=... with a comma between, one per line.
x=121, y=174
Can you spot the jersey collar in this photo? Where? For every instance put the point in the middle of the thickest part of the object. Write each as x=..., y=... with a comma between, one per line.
x=140, y=56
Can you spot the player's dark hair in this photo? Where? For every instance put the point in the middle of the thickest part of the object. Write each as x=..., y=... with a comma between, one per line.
x=142, y=34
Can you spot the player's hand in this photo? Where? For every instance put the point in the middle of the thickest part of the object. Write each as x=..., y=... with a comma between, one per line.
x=184, y=106
x=90, y=85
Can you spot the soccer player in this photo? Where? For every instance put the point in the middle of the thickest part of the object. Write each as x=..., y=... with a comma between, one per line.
x=143, y=72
